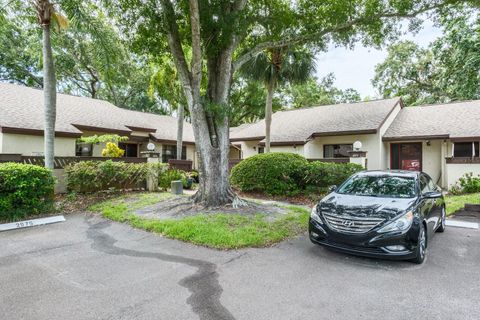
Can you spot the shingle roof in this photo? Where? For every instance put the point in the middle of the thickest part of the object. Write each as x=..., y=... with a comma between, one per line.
x=300, y=124
x=22, y=108
x=452, y=120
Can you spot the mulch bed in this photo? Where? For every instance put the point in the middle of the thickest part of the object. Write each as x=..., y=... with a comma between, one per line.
x=181, y=207
x=301, y=199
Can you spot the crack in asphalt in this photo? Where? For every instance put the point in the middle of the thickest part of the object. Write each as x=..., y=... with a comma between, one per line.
x=203, y=285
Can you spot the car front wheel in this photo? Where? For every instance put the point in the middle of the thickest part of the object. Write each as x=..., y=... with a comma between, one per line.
x=421, y=246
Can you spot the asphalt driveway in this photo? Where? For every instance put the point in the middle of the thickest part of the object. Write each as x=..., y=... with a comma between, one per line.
x=90, y=268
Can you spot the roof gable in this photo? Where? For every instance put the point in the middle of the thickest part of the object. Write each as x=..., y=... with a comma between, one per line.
x=21, y=108
x=302, y=124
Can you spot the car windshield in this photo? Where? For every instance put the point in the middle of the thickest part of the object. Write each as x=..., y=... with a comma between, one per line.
x=379, y=186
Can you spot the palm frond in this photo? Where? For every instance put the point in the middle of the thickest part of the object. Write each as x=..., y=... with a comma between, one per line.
x=60, y=20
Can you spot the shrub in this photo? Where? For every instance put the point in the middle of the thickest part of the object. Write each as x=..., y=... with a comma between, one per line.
x=112, y=150
x=24, y=190
x=165, y=180
x=272, y=173
x=92, y=176
x=467, y=184
x=325, y=174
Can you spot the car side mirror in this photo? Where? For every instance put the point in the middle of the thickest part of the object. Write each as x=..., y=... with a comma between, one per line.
x=332, y=188
x=432, y=195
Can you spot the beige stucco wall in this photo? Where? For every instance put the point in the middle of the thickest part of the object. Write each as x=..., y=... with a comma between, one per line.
x=384, y=148
x=298, y=149
x=456, y=170
x=30, y=145
x=247, y=148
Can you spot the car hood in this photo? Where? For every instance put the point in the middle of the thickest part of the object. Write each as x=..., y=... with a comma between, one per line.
x=363, y=206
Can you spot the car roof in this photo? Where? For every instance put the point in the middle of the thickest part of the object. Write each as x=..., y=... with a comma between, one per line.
x=393, y=173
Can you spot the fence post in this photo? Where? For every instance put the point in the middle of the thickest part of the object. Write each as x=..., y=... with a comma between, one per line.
x=152, y=179
x=358, y=157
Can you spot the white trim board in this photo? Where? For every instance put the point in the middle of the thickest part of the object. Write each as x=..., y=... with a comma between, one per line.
x=30, y=223
x=461, y=224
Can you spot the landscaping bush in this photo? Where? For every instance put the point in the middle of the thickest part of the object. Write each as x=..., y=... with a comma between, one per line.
x=24, y=190
x=165, y=180
x=288, y=174
x=272, y=173
x=467, y=184
x=325, y=174
x=92, y=176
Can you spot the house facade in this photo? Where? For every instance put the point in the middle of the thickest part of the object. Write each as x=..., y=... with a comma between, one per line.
x=21, y=126
x=441, y=140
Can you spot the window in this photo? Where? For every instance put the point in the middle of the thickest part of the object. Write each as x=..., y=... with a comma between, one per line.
x=83, y=149
x=131, y=149
x=337, y=150
x=465, y=149
x=261, y=150
x=170, y=152
x=379, y=186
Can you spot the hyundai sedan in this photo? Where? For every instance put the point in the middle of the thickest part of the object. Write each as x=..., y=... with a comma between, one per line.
x=386, y=214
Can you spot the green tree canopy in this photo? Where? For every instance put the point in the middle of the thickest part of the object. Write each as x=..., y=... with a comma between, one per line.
x=448, y=70
x=91, y=57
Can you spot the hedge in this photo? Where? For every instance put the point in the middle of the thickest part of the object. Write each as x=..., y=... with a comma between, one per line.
x=92, y=176
x=25, y=190
x=288, y=174
x=325, y=174
x=272, y=173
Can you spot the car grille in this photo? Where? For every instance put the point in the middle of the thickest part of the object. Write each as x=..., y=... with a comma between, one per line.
x=351, y=224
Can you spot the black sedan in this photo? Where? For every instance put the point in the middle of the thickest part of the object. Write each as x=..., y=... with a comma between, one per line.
x=386, y=214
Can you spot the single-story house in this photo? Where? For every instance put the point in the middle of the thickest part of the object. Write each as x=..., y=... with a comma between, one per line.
x=442, y=140
x=22, y=123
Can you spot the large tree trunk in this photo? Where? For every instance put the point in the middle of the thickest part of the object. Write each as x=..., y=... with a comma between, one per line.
x=180, y=111
x=210, y=124
x=268, y=111
x=50, y=98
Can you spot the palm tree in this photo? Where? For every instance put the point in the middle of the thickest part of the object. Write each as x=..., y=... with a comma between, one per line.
x=164, y=82
x=278, y=66
x=46, y=14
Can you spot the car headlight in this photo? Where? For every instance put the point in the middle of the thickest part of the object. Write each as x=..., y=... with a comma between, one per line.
x=400, y=224
x=314, y=215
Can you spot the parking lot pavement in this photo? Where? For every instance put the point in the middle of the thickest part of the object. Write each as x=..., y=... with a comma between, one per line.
x=90, y=268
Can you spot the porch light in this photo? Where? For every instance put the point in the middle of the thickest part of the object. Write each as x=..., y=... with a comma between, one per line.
x=150, y=146
x=357, y=145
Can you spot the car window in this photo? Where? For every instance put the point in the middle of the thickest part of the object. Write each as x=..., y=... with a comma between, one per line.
x=379, y=186
x=425, y=186
x=431, y=185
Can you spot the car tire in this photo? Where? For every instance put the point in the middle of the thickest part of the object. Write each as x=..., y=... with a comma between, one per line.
x=441, y=227
x=421, y=250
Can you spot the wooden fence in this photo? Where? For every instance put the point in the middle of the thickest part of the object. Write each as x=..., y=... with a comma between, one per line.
x=62, y=162
x=185, y=165
x=336, y=160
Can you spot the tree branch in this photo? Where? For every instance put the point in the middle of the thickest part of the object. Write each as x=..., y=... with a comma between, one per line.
x=196, y=48
x=301, y=39
x=175, y=45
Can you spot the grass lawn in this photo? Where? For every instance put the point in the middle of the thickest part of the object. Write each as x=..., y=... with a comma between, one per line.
x=455, y=203
x=221, y=231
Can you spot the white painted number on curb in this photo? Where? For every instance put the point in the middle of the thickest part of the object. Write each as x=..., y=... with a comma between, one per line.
x=31, y=223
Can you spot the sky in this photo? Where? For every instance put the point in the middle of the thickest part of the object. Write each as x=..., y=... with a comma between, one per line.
x=355, y=68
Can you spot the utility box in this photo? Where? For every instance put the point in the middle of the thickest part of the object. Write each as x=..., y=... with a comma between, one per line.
x=177, y=187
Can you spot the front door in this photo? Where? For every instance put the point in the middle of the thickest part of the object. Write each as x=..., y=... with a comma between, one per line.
x=406, y=156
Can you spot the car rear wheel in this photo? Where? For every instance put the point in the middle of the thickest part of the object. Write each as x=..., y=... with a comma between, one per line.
x=421, y=246
x=441, y=228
